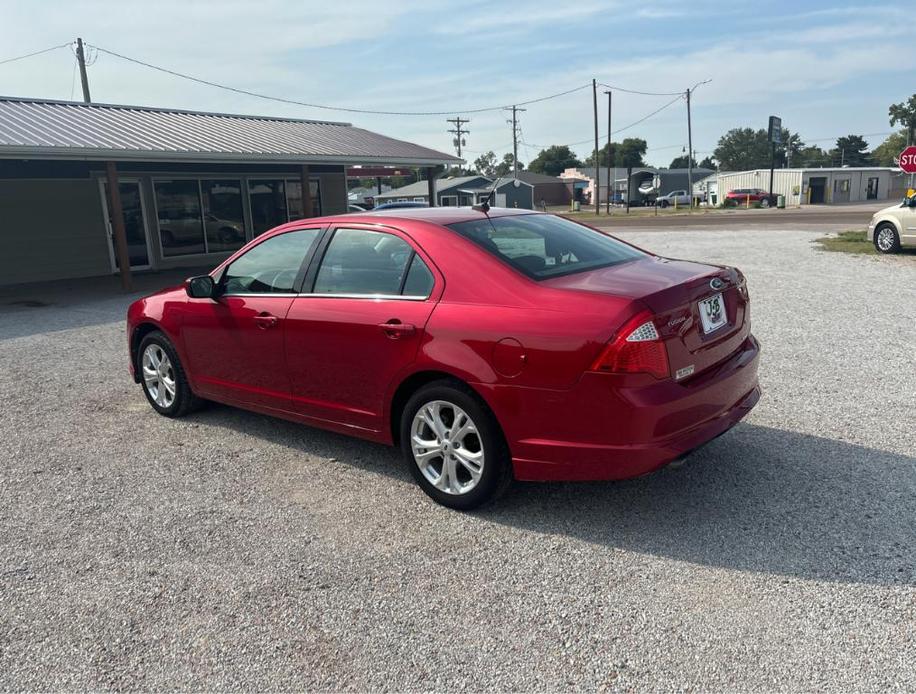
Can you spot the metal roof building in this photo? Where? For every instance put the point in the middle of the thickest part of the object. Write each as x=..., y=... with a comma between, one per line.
x=91, y=189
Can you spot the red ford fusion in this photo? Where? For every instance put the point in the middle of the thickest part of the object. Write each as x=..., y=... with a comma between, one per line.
x=489, y=346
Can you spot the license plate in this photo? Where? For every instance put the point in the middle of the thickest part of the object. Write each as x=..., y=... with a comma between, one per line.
x=712, y=313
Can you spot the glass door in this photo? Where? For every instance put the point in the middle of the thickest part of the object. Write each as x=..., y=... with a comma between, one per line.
x=134, y=225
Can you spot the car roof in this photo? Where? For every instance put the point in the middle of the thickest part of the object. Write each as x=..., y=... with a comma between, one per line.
x=433, y=215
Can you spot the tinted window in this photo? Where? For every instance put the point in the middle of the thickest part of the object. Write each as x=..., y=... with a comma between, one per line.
x=419, y=280
x=268, y=204
x=543, y=246
x=358, y=261
x=181, y=230
x=223, y=218
x=271, y=266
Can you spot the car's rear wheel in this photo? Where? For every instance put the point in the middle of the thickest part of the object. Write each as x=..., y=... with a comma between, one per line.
x=453, y=446
x=163, y=378
x=886, y=239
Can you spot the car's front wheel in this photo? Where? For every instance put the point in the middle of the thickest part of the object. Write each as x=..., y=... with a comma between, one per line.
x=764, y=202
x=163, y=378
x=454, y=447
x=886, y=239
x=663, y=204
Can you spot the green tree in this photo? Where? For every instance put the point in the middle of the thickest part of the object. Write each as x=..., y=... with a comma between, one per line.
x=485, y=164
x=681, y=162
x=741, y=149
x=504, y=168
x=905, y=114
x=811, y=156
x=630, y=152
x=851, y=150
x=887, y=152
x=553, y=160
x=708, y=163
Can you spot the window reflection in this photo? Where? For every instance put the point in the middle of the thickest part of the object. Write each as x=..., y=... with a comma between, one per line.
x=223, y=216
x=268, y=204
x=294, y=195
x=178, y=206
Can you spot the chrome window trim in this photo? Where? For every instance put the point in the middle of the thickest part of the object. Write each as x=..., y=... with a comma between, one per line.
x=288, y=295
x=386, y=297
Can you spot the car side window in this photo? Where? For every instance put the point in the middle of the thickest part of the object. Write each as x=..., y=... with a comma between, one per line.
x=419, y=281
x=272, y=266
x=364, y=262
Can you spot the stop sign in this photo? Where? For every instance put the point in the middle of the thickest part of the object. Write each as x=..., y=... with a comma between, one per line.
x=908, y=159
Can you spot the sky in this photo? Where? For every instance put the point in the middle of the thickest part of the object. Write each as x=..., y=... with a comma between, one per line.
x=826, y=68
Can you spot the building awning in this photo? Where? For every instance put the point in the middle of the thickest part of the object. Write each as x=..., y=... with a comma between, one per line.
x=32, y=128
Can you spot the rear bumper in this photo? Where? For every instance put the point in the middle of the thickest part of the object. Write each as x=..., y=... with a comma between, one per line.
x=611, y=427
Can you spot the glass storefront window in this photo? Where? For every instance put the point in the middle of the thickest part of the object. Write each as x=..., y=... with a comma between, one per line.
x=294, y=195
x=178, y=207
x=223, y=217
x=268, y=204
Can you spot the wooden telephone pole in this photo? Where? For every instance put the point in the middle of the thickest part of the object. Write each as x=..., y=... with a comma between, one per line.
x=84, y=78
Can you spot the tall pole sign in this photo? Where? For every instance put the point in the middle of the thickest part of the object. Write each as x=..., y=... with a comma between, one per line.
x=774, y=135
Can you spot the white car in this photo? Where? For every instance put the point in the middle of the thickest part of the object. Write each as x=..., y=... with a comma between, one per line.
x=678, y=197
x=894, y=227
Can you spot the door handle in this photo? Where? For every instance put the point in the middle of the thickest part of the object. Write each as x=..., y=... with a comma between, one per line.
x=395, y=328
x=264, y=320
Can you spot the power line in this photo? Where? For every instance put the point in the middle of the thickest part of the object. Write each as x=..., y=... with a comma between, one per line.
x=30, y=55
x=325, y=107
x=619, y=130
x=634, y=91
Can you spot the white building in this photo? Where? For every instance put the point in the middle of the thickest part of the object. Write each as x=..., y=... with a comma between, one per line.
x=810, y=186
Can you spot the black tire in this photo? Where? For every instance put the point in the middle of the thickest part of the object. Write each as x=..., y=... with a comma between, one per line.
x=184, y=400
x=764, y=203
x=663, y=204
x=894, y=246
x=496, y=475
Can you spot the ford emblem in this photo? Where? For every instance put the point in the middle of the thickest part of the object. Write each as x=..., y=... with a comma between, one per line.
x=716, y=283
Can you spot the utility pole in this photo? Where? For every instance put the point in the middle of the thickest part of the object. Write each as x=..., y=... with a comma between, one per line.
x=597, y=169
x=609, y=150
x=689, y=154
x=458, y=121
x=515, y=129
x=84, y=78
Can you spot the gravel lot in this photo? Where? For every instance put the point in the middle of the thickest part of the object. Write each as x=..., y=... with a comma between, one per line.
x=232, y=551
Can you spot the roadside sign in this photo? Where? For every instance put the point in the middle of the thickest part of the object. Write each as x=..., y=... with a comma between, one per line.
x=774, y=133
x=908, y=159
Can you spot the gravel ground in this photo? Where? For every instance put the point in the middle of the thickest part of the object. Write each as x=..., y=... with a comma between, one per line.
x=231, y=551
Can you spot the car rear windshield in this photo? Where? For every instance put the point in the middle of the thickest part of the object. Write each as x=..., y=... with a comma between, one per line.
x=544, y=246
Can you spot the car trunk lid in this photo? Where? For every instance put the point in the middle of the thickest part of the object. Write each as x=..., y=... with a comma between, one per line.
x=673, y=291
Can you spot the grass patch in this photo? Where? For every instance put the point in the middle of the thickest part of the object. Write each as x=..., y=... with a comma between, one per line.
x=853, y=241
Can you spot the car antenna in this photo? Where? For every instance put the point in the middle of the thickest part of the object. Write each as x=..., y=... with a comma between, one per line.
x=485, y=205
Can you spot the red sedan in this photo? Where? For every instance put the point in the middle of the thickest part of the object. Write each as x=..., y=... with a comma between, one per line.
x=749, y=196
x=489, y=347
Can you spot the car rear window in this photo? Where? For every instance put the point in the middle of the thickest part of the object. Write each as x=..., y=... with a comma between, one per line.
x=544, y=246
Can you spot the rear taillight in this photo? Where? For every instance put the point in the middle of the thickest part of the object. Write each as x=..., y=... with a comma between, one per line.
x=636, y=348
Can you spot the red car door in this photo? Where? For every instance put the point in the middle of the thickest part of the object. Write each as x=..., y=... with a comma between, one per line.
x=358, y=324
x=234, y=343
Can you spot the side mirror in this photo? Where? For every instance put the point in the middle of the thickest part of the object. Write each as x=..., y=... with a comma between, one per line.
x=202, y=287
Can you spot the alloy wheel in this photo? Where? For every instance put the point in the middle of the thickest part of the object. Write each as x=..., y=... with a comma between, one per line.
x=447, y=447
x=885, y=239
x=159, y=376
